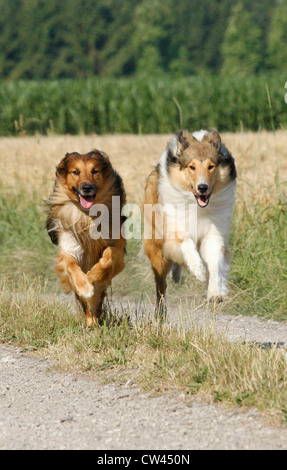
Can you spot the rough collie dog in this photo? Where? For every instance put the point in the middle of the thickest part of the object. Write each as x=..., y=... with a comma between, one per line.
x=191, y=191
x=85, y=264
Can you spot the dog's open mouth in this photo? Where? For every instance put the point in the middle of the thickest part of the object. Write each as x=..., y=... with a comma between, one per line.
x=202, y=200
x=86, y=202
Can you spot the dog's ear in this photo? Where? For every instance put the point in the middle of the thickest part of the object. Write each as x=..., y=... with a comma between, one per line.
x=103, y=158
x=106, y=164
x=183, y=142
x=178, y=144
x=213, y=138
x=61, y=169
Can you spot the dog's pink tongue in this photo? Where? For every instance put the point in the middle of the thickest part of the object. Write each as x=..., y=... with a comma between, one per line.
x=87, y=202
x=202, y=201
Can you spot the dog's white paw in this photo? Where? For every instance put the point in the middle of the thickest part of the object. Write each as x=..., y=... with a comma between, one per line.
x=85, y=289
x=216, y=297
x=200, y=272
x=192, y=260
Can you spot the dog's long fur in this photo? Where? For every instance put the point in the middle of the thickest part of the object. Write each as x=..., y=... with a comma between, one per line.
x=85, y=265
x=194, y=171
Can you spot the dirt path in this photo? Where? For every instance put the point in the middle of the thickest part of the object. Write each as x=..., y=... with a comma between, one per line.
x=41, y=409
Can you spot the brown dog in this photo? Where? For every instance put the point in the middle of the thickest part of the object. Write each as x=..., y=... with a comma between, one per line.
x=86, y=264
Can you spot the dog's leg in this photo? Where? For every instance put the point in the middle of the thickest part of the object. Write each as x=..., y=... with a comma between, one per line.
x=217, y=260
x=110, y=264
x=85, y=309
x=176, y=272
x=72, y=277
x=161, y=286
x=64, y=281
x=161, y=267
x=192, y=259
x=101, y=275
x=93, y=307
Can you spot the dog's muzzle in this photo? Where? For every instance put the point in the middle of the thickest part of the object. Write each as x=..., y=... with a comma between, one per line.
x=202, y=188
x=88, y=190
x=86, y=195
x=201, y=195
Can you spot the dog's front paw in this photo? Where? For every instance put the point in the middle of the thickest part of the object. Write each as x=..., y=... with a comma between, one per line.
x=200, y=272
x=215, y=298
x=106, y=263
x=217, y=295
x=84, y=288
x=192, y=260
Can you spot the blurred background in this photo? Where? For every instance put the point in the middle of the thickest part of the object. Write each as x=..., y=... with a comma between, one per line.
x=86, y=38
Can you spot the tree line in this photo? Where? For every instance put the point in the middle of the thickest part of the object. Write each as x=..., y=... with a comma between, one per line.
x=79, y=39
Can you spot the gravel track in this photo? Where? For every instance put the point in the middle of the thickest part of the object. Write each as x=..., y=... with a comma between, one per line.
x=42, y=409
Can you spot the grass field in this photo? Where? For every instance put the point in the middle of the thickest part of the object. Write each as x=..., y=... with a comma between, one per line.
x=157, y=356
x=113, y=105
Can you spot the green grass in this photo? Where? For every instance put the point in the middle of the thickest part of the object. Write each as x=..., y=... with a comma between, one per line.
x=142, y=106
x=158, y=357
x=259, y=267
x=258, y=242
x=25, y=246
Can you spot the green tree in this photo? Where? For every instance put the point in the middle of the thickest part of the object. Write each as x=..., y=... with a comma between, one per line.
x=150, y=62
x=9, y=37
x=39, y=38
x=98, y=40
x=82, y=39
x=197, y=34
x=181, y=65
x=277, y=40
x=241, y=47
x=118, y=54
x=153, y=20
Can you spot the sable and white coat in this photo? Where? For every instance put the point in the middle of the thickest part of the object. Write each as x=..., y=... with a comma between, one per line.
x=194, y=184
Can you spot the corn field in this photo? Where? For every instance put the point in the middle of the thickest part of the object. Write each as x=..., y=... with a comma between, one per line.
x=142, y=106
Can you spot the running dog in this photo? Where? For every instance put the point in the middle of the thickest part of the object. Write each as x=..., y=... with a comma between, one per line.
x=85, y=264
x=191, y=191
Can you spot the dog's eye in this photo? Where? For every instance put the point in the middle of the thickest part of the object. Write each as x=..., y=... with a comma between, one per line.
x=95, y=172
x=211, y=167
x=192, y=167
x=76, y=172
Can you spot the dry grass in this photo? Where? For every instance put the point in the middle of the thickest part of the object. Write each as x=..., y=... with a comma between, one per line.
x=30, y=162
x=156, y=356
x=35, y=158
x=259, y=156
x=261, y=160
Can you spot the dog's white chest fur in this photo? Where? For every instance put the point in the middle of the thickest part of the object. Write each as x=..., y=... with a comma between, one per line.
x=201, y=233
x=71, y=246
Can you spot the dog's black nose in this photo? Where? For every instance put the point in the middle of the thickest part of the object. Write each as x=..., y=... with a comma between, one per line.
x=88, y=188
x=202, y=188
